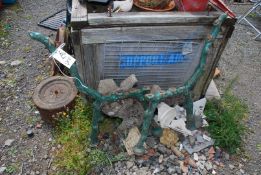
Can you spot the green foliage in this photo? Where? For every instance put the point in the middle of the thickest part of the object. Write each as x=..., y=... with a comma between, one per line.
x=76, y=155
x=225, y=119
x=4, y=28
x=11, y=169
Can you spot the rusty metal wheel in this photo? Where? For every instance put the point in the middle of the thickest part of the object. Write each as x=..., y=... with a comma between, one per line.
x=53, y=95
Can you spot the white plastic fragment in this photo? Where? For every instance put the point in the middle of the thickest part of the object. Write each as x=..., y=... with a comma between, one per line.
x=180, y=126
x=180, y=147
x=122, y=6
x=206, y=137
x=173, y=118
x=205, y=123
x=212, y=91
x=195, y=156
x=165, y=115
x=157, y=170
x=199, y=105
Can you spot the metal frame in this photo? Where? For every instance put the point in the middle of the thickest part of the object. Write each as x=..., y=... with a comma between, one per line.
x=149, y=101
x=247, y=13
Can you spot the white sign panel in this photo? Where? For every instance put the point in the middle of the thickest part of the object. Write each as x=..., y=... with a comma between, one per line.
x=63, y=57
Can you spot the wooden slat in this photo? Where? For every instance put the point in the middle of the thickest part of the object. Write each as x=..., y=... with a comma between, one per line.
x=155, y=33
x=79, y=15
x=154, y=18
x=212, y=62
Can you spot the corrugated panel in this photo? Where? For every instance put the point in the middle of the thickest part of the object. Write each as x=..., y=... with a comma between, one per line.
x=165, y=63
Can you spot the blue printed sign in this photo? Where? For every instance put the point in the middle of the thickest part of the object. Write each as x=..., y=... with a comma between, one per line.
x=134, y=61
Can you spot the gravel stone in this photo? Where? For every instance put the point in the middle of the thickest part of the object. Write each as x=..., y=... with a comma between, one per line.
x=16, y=63
x=129, y=164
x=231, y=166
x=171, y=170
x=9, y=142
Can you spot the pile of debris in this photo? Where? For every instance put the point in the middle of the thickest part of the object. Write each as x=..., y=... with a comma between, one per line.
x=178, y=150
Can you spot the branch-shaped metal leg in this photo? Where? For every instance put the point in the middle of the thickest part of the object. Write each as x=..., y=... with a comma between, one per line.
x=96, y=118
x=148, y=116
x=189, y=110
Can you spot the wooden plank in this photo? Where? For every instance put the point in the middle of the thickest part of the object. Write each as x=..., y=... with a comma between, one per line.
x=218, y=53
x=91, y=61
x=75, y=35
x=149, y=33
x=153, y=18
x=79, y=16
x=212, y=61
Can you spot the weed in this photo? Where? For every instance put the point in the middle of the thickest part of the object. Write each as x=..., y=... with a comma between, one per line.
x=39, y=78
x=31, y=120
x=3, y=29
x=258, y=147
x=11, y=82
x=12, y=152
x=225, y=119
x=27, y=49
x=11, y=169
x=76, y=157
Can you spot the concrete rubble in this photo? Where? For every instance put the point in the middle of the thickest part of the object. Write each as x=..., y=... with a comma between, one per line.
x=107, y=86
x=178, y=150
x=130, y=110
x=199, y=143
x=131, y=140
x=129, y=82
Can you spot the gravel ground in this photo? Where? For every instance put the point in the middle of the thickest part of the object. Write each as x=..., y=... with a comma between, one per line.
x=242, y=59
x=17, y=114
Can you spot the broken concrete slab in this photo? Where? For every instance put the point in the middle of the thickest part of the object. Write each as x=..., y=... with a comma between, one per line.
x=107, y=86
x=129, y=110
x=212, y=91
x=131, y=140
x=200, y=143
x=129, y=82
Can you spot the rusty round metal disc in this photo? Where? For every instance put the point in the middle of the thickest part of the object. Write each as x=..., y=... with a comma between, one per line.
x=54, y=93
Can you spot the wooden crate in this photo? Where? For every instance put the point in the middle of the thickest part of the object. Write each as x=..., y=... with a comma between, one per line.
x=91, y=33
